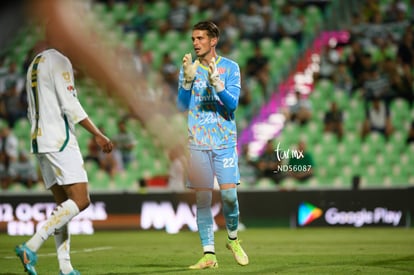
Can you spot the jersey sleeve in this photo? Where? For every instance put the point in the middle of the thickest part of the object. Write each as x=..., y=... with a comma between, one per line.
x=231, y=93
x=184, y=96
x=66, y=91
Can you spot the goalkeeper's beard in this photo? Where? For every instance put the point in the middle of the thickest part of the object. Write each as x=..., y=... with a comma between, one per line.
x=202, y=56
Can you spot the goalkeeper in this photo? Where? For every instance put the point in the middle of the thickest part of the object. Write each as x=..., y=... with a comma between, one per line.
x=209, y=90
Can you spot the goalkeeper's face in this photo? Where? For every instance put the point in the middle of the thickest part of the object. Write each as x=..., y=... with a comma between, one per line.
x=203, y=44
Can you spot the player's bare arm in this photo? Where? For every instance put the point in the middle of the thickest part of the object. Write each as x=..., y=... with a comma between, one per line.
x=103, y=141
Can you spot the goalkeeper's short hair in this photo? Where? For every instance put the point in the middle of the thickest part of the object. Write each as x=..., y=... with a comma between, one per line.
x=209, y=26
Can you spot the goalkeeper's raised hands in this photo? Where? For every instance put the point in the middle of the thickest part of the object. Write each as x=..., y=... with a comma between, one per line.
x=214, y=77
x=189, y=69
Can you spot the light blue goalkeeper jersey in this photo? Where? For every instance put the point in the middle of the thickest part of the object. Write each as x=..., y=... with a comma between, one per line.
x=211, y=120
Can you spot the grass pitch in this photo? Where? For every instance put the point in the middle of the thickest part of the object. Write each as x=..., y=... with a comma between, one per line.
x=270, y=250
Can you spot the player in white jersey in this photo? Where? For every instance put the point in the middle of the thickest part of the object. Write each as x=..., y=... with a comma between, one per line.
x=209, y=88
x=53, y=111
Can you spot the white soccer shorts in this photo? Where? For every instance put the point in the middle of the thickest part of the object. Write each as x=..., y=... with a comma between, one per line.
x=62, y=168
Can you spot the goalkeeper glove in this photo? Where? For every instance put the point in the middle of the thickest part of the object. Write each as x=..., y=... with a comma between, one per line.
x=189, y=69
x=214, y=77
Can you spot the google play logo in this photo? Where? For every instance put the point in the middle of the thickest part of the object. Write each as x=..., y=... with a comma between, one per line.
x=308, y=213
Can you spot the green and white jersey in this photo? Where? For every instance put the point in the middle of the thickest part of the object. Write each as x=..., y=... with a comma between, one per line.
x=53, y=106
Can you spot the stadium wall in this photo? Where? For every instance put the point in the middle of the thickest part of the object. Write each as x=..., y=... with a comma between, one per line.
x=173, y=212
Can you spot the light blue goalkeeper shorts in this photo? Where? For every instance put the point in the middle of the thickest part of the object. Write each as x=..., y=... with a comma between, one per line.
x=207, y=164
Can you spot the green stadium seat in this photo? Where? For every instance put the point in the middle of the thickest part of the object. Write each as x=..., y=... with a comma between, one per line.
x=356, y=113
x=373, y=177
x=375, y=141
x=100, y=181
x=288, y=46
x=319, y=155
x=376, y=174
x=136, y=169
x=332, y=164
x=200, y=16
x=341, y=99
x=151, y=40
x=342, y=181
x=22, y=128
x=391, y=153
x=265, y=183
x=352, y=142
x=321, y=175
x=397, y=138
x=158, y=9
x=400, y=105
x=91, y=168
x=87, y=99
x=320, y=105
x=330, y=142
x=237, y=54
x=311, y=183
x=182, y=47
x=398, y=122
x=157, y=56
x=400, y=113
x=126, y=181
x=325, y=177
x=368, y=154
x=246, y=47
x=399, y=179
x=277, y=66
x=257, y=93
x=278, y=59
x=376, y=54
x=312, y=132
x=159, y=166
x=172, y=37
x=267, y=46
x=109, y=124
x=357, y=166
x=406, y=159
x=146, y=160
x=290, y=134
x=314, y=14
x=313, y=19
x=326, y=88
x=410, y=150
x=315, y=127
x=352, y=122
x=347, y=174
x=343, y=155
x=382, y=160
x=400, y=172
x=120, y=11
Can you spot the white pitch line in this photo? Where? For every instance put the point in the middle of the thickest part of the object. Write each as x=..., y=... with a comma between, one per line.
x=86, y=250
